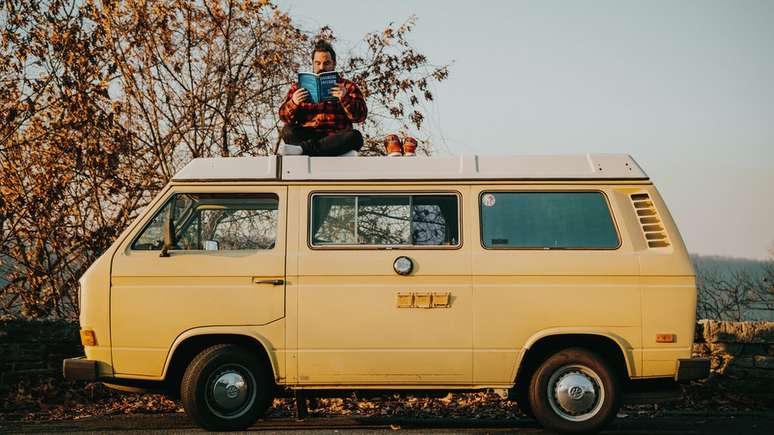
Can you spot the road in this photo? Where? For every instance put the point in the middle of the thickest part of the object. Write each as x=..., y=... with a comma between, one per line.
x=180, y=424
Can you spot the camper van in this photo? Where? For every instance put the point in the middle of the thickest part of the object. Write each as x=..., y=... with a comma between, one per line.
x=560, y=282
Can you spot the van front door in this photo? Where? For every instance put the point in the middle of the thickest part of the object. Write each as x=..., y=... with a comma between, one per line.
x=365, y=320
x=224, y=265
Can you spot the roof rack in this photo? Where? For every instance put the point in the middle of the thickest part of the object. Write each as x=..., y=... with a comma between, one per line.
x=463, y=167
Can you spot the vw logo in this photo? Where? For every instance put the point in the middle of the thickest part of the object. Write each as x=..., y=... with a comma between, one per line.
x=232, y=391
x=575, y=392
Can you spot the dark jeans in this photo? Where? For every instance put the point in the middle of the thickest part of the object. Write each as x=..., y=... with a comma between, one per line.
x=316, y=144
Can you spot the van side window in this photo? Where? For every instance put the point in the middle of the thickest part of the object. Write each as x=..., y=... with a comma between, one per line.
x=385, y=220
x=546, y=220
x=213, y=222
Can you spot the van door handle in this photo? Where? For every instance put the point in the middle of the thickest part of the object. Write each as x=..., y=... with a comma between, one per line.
x=269, y=281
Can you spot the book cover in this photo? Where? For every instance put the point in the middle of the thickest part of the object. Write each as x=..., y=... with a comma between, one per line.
x=318, y=85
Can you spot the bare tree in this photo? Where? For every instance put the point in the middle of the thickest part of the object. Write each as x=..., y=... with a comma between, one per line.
x=104, y=100
x=68, y=176
x=735, y=295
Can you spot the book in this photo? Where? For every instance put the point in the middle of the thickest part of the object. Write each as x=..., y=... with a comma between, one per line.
x=318, y=85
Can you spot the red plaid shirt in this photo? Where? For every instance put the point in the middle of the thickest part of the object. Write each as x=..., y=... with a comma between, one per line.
x=326, y=117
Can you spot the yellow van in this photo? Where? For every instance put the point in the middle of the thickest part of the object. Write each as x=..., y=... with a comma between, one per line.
x=559, y=281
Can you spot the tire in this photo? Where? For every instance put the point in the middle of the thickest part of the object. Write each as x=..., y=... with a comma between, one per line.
x=574, y=391
x=522, y=400
x=225, y=388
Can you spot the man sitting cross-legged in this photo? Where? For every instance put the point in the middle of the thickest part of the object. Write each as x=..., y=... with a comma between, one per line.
x=324, y=128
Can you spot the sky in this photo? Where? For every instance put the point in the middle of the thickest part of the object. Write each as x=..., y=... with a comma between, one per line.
x=686, y=87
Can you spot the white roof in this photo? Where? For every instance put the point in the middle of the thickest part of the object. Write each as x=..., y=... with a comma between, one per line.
x=464, y=167
x=229, y=168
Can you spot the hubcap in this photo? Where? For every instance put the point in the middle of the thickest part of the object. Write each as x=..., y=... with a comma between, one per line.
x=230, y=391
x=575, y=393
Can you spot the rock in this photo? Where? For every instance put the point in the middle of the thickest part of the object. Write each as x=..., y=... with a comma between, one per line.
x=764, y=362
x=744, y=362
x=698, y=334
x=701, y=349
x=727, y=348
x=714, y=331
x=754, y=349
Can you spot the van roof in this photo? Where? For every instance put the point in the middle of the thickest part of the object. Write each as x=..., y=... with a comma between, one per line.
x=462, y=167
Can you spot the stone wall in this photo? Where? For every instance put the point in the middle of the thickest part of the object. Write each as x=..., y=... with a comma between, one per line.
x=737, y=349
x=742, y=355
x=30, y=349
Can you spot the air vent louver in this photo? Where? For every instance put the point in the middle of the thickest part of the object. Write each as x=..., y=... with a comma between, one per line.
x=652, y=228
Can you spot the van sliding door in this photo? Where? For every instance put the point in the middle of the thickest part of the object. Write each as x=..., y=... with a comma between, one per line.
x=362, y=318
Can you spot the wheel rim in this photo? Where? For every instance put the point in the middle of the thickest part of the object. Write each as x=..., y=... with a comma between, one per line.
x=230, y=391
x=575, y=392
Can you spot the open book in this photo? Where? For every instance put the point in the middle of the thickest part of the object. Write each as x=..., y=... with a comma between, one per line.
x=318, y=85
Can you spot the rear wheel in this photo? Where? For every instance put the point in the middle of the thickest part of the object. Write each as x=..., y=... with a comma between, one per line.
x=574, y=391
x=226, y=387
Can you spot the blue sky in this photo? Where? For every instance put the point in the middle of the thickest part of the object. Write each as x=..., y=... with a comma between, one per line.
x=686, y=87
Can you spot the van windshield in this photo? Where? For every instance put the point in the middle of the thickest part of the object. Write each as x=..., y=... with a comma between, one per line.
x=214, y=222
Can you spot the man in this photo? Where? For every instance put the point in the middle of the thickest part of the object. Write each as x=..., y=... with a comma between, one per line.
x=325, y=128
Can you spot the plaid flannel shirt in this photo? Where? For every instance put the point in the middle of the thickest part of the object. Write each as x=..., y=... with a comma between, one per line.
x=326, y=117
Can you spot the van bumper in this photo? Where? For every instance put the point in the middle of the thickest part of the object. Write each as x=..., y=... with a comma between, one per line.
x=79, y=369
x=692, y=369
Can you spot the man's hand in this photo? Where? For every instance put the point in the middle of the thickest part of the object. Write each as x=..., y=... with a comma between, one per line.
x=339, y=91
x=300, y=96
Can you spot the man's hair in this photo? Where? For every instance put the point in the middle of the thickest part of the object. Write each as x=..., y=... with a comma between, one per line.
x=321, y=45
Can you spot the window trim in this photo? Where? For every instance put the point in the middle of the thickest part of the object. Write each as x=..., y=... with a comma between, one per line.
x=409, y=193
x=173, y=194
x=548, y=248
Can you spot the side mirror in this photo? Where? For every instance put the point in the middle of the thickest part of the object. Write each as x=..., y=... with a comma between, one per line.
x=169, y=231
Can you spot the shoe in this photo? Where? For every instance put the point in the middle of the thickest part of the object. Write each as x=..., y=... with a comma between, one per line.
x=393, y=145
x=409, y=146
x=352, y=153
x=290, y=150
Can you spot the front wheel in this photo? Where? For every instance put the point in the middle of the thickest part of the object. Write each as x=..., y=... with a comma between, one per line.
x=226, y=388
x=574, y=391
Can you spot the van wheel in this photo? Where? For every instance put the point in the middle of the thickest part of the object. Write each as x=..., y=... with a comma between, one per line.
x=226, y=387
x=522, y=400
x=574, y=391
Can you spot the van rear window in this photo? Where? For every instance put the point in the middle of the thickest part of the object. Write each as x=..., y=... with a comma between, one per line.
x=547, y=220
x=384, y=220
